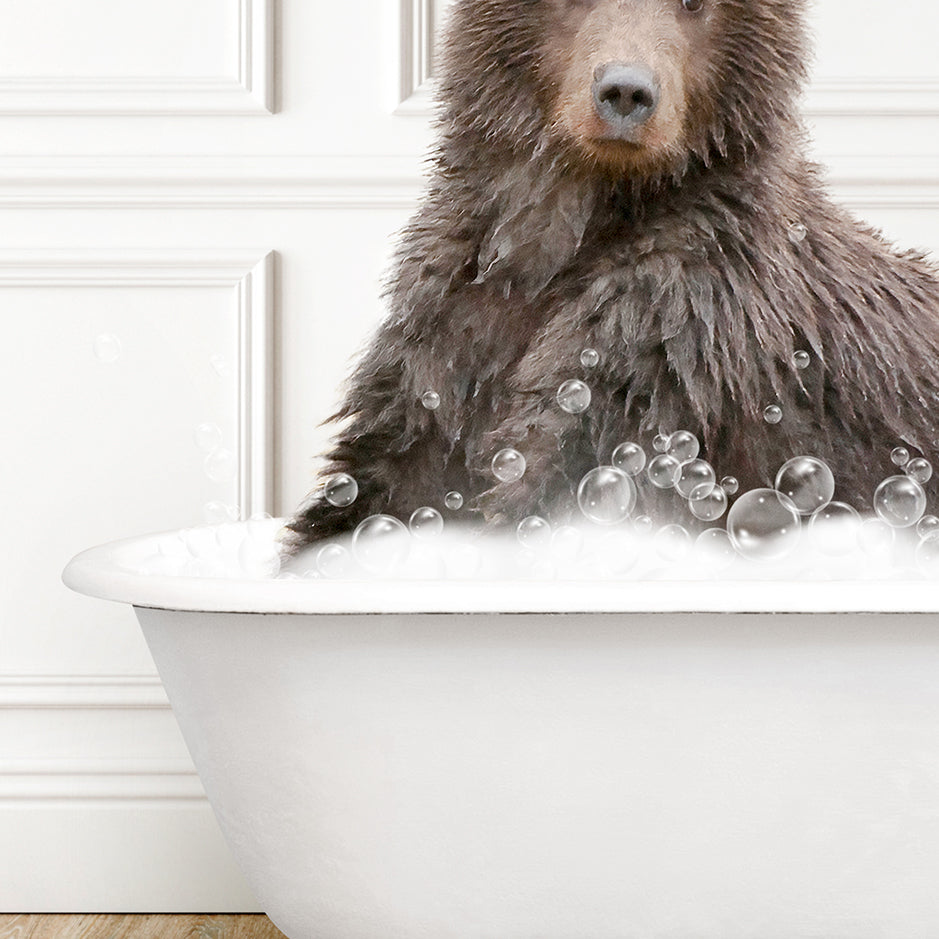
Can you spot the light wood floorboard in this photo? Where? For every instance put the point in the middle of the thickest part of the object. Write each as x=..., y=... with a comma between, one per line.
x=101, y=926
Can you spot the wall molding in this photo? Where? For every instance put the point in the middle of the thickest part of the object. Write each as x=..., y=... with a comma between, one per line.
x=250, y=274
x=352, y=183
x=82, y=692
x=111, y=781
x=249, y=91
x=104, y=182
x=417, y=28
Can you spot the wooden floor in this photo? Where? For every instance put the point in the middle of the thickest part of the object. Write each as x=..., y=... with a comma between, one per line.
x=101, y=926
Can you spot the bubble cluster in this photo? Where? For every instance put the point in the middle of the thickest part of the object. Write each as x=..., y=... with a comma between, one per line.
x=764, y=525
x=508, y=465
x=341, y=490
x=808, y=482
x=606, y=495
x=574, y=397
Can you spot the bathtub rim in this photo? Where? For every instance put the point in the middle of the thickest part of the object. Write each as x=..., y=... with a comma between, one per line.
x=99, y=572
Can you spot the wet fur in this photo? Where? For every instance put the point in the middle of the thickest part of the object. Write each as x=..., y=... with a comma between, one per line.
x=529, y=248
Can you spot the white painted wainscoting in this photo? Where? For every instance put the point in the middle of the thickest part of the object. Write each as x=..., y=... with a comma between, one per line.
x=208, y=189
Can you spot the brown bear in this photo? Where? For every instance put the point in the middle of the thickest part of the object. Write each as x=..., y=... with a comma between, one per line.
x=628, y=177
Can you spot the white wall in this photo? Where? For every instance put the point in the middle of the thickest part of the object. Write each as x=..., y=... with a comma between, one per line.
x=214, y=183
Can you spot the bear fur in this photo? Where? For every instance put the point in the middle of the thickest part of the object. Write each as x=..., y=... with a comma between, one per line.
x=670, y=250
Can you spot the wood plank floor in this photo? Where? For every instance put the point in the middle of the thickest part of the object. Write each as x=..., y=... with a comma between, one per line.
x=101, y=926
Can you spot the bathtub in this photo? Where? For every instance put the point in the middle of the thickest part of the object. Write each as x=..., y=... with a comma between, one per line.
x=559, y=761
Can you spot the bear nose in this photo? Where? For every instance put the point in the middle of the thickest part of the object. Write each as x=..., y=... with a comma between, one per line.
x=624, y=95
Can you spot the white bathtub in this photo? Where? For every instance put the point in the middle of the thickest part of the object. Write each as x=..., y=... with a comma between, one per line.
x=559, y=761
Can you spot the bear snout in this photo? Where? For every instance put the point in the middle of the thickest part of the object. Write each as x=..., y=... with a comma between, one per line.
x=624, y=96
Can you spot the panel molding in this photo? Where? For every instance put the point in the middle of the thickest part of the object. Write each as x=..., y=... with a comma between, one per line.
x=82, y=692
x=250, y=275
x=305, y=182
x=249, y=91
x=417, y=26
x=109, y=781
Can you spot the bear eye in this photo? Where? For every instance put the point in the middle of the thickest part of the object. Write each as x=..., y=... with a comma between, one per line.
x=692, y=6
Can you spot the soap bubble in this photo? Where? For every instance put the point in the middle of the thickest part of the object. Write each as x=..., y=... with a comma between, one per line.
x=919, y=469
x=808, y=482
x=380, y=543
x=508, y=466
x=927, y=556
x=834, y=528
x=574, y=397
x=430, y=400
x=534, y=531
x=334, y=562
x=663, y=471
x=801, y=359
x=900, y=456
x=708, y=505
x=730, y=485
x=683, y=445
x=927, y=525
x=773, y=414
x=341, y=490
x=797, y=233
x=714, y=549
x=660, y=443
x=258, y=558
x=630, y=458
x=221, y=465
x=454, y=501
x=876, y=537
x=764, y=525
x=606, y=495
x=900, y=501
x=590, y=358
x=567, y=542
x=208, y=437
x=672, y=542
x=643, y=524
x=217, y=513
x=107, y=348
x=695, y=477
x=425, y=523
